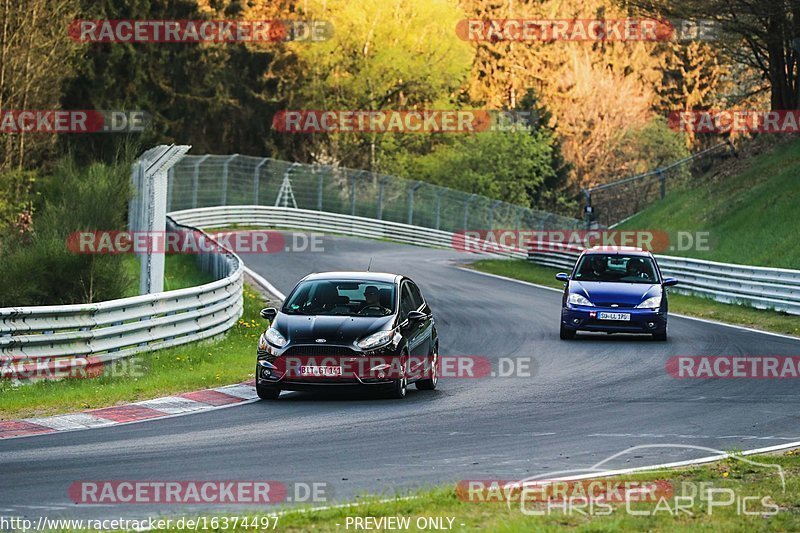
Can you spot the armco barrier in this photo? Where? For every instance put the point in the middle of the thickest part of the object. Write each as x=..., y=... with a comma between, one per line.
x=81, y=335
x=287, y=217
x=759, y=287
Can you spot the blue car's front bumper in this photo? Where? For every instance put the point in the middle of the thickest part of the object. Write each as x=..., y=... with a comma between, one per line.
x=581, y=318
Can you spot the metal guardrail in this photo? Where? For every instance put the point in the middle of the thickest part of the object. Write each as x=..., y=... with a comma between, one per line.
x=287, y=217
x=85, y=335
x=758, y=287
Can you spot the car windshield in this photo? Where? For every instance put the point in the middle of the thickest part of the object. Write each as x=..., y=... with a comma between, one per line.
x=616, y=268
x=341, y=298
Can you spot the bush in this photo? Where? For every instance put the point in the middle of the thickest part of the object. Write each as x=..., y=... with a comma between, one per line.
x=38, y=268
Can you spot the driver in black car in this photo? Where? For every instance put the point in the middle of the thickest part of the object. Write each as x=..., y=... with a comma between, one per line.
x=372, y=303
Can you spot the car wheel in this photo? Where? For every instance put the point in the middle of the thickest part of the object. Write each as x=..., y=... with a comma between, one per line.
x=399, y=386
x=660, y=336
x=267, y=392
x=430, y=384
x=566, y=333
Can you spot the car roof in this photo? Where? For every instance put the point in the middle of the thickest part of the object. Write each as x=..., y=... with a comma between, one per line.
x=354, y=276
x=626, y=250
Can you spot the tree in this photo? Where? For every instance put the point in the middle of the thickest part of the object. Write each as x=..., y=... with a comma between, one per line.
x=35, y=57
x=384, y=54
x=764, y=34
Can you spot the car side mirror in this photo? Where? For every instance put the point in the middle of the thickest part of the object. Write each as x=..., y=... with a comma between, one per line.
x=269, y=313
x=669, y=282
x=562, y=277
x=416, y=316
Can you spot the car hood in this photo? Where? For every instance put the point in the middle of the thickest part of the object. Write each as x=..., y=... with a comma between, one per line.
x=606, y=293
x=334, y=329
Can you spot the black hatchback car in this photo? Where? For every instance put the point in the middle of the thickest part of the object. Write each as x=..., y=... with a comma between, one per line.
x=363, y=329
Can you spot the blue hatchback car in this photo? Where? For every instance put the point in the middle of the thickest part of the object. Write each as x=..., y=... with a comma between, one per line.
x=615, y=290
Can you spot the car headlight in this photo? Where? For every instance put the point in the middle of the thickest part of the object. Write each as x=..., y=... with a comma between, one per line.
x=376, y=339
x=577, y=299
x=274, y=337
x=653, y=303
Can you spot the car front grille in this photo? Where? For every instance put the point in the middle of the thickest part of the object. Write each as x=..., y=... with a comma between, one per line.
x=320, y=351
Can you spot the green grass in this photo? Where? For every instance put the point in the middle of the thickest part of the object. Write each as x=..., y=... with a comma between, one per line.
x=180, y=272
x=678, y=303
x=743, y=479
x=751, y=216
x=198, y=365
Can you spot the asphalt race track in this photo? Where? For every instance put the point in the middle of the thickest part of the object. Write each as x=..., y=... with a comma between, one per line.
x=586, y=400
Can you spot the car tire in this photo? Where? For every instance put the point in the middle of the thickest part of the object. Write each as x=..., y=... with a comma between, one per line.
x=430, y=384
x=660, y=336
x=399, y=387
x=267, y=392
x=566, y=334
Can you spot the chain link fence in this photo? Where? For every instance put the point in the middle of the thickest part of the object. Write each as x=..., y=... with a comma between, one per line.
x=613, y=202
x=219, y=180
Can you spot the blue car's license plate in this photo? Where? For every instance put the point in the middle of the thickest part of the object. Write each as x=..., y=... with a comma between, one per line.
x=613, y=316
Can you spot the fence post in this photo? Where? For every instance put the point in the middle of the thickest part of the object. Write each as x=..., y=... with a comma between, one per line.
x=225, y=179
x=381, y=184
x=518, y=218
x=588, y=209
x=439, y=193
x=257, y=180
x=196, y=180
x=411, y=189
x=170, y=185
x=320, y=184
x=466, y=209
x=151, y=200
x=491, y=213
x=353, y=195
x=663, y=179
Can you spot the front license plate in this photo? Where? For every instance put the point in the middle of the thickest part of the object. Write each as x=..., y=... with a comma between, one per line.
x=614, y=316
x=321, y=371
